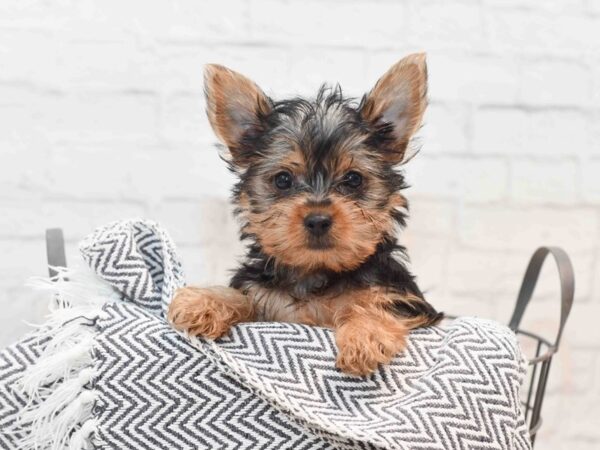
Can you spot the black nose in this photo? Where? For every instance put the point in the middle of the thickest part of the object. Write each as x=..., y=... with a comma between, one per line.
x=317, y=224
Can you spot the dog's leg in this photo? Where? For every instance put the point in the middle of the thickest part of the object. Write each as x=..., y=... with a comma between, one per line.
x=366, y=340
x=369, y=332
x=209, y=312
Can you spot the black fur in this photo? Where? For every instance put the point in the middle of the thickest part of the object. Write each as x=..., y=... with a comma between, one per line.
x=301, y=120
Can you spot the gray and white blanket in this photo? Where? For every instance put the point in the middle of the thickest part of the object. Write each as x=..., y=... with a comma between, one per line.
x=107, y=371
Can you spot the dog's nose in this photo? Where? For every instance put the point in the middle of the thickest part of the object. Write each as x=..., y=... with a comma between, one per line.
x=317, y=224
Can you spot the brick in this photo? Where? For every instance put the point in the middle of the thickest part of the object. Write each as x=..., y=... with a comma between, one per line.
x=77, y=218
x=16, y=49
x=503, y=228
x=584, y=266
x=457, y=78
x=500, y=131
x=558, y=132
x=112, y=65
x=345, y=67
x=482, y=273
x=20, y=307
x=183, y=119
x=97, y=117
x=22, y=259
x=516, y=131
x=445, y=25
x=502, y=273
x=519, y=32
x=379, y=61
x=51, y=116
x=479, y=180
x=184, y=20
x=23, y=160
x=182, y=65
x=308, y=23
x=209, y=264
x=585, y=334
x=550, y=434
x=89, y=172
x=429, y=217
x=595, y=95
x=555, y=83
x=594, y=144
x=26, y=113
x=461, y=305
x=592, y=7
x=428, y=255
x=580, y=427
x=198, y=265
x=184, y=172
x=198, y=222
x=574, y=371
x=102, y=118
x=595, y=279
x=532, y=6
x=538, y=181
x=473, y=79
x=445, y=129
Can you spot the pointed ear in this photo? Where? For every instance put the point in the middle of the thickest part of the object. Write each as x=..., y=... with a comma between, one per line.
x=236, y=108
x=396, y=104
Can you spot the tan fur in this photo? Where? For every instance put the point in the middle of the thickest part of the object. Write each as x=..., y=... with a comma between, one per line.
x=354, y=235
x=232, y=104
x=367, y=332
x=294, y=161
x=368, y=337
x=400, y=98
x=209, y=312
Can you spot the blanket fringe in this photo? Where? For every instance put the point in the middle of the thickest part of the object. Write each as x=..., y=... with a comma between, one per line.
x=59, y=386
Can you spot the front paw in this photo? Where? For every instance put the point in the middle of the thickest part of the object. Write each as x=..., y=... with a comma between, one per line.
x=208, y=312
x=364, y=346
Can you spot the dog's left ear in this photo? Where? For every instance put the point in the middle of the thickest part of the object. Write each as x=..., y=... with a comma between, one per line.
x=395, y=106
x=236, y=109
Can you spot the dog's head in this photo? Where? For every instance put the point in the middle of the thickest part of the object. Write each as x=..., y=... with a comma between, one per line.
x=318, y=185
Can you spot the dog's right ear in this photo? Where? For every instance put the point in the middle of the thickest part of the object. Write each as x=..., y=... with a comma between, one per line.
x=236, y=109
x=397, y=103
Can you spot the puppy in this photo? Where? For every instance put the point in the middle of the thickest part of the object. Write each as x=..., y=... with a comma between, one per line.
x=319, y=200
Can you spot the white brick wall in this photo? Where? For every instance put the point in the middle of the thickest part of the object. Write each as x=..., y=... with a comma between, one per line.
x=99, y=98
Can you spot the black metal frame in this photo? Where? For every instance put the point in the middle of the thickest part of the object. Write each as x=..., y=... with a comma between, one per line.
x=55, y=250
x=545, y=349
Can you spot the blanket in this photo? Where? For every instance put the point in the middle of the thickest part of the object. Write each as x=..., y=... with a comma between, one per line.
x=107, y=371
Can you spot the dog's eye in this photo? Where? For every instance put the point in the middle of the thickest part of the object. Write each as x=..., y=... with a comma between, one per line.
x=283, y=180
x=353, y=179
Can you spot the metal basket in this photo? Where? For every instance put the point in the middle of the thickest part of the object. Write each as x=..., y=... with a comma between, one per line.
x=545, y=349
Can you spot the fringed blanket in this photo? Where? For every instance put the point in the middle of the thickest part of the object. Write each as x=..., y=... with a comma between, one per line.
x=107, y=371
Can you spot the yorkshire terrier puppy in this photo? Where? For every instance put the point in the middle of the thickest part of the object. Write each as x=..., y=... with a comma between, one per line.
x=319, y=200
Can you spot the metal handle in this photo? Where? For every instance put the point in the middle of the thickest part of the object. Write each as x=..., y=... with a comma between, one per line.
x=55, y=250
x=567, y=286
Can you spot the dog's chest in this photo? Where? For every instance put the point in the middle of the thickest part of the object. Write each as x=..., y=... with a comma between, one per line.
x=281, y=306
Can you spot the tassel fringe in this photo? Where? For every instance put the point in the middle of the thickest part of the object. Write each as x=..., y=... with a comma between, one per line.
x=59, y=386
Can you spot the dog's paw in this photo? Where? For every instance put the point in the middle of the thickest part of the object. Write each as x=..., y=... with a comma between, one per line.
x=362, y=347
x=208, y=312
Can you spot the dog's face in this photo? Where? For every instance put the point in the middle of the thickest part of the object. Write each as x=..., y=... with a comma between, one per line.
x=318, y=187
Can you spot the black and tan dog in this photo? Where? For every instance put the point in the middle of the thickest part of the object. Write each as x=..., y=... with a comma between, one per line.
x=319, y=200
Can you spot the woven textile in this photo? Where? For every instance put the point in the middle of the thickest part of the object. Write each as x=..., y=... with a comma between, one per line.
x=264, y=386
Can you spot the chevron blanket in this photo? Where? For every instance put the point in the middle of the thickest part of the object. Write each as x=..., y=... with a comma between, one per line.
x=107, y=371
